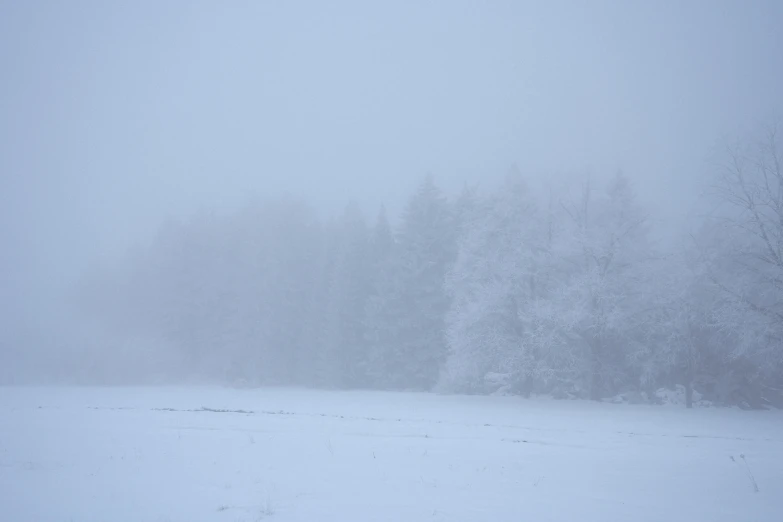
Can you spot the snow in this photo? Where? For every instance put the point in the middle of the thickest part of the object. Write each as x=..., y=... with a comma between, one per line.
x=167, y=454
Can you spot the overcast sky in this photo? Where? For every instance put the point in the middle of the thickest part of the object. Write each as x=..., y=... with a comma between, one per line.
x=115, y=114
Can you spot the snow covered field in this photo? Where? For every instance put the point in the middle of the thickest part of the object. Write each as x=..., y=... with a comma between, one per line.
x=169, y=455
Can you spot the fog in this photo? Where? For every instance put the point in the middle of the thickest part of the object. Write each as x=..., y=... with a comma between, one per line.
x=421, y=261
x=115, y=117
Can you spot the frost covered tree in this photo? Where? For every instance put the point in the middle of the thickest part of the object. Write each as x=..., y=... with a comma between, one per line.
x=677, y=338
x=552, y=297
x=747, y=260
x=491, y=283
x=750, y=185
x=598, y=305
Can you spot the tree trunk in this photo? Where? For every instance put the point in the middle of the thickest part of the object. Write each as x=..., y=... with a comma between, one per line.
x=690, y=363
x=527, y=386
x=595, y=381
x=689, y=381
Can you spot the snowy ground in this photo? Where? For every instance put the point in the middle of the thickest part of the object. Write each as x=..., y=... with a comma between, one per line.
x=153, y=454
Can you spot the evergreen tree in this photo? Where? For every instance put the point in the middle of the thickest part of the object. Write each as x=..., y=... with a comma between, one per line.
x=413, y=336
x=381, y=316
x=349, y=290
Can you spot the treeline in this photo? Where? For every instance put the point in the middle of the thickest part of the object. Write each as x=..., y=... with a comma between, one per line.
x=564, y=293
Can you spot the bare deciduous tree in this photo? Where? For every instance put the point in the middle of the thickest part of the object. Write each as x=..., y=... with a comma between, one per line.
x=749, y=272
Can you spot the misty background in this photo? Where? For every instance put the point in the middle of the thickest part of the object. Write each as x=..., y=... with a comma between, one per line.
x=117, y=118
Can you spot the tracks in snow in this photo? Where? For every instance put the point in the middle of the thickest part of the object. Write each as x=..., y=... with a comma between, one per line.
x=205, y=409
